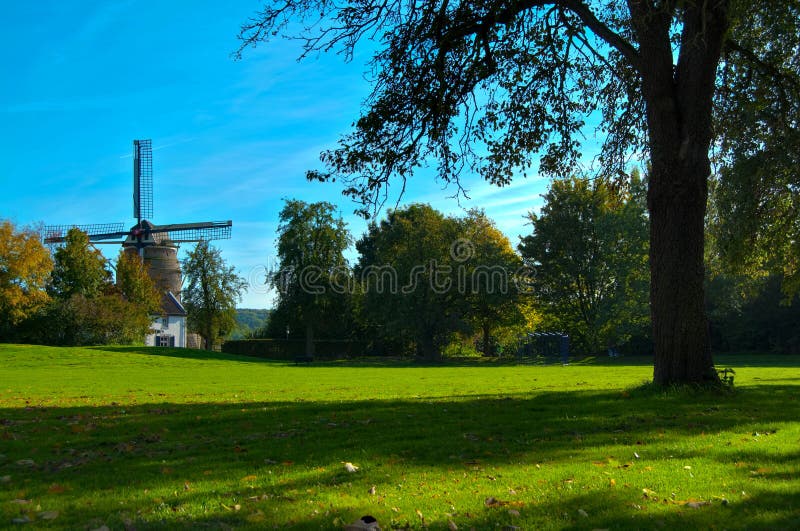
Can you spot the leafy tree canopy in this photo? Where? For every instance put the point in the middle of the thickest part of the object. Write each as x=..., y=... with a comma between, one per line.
x=25, y=266
x=135, y=283
x=588, y=252
x=212, y=290
x=79, y=268
x=408, y=267
x=312, y=279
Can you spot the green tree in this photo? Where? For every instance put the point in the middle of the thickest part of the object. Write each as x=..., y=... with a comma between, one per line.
x=25, y=267
x=79, y=268
x=135, y=284
x=87, y=308
x=588, y=252
x=212, y=290
x=489, y=266
x=313, y=279
x=485, y=84
x=756, y=193
x=407, y=271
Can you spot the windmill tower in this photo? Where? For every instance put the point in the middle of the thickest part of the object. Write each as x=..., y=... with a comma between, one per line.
x=157, y=245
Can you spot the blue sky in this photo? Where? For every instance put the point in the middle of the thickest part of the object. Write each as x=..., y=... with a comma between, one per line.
x=231, y=139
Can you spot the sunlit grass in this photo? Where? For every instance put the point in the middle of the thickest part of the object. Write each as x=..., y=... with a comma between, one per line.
x=170, y=438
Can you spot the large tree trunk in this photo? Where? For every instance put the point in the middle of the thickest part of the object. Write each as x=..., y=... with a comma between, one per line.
x=680, y=326
x=427, y=348
x=679, y=105
x=309, y=340
x=487, y=340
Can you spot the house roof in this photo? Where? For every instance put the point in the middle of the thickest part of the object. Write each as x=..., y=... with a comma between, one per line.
x=171, y=306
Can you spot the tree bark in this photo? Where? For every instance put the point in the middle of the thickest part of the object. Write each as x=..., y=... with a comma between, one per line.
x=427, y=348
x=309, y=340
x=487, y=345
x=679, y=104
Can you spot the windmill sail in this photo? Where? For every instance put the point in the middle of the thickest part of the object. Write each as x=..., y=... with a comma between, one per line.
x=142, y=179
x=96, y=232
x=194, y=232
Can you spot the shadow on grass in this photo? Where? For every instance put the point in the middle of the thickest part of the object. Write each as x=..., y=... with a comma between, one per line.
x=173, y=465
x=371, y=362
x=181, y=353
x=722, y=360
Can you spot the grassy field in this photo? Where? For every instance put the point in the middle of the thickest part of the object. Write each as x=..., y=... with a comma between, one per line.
x=156, y=438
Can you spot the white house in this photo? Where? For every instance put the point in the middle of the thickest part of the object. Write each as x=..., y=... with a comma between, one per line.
x=169, y=327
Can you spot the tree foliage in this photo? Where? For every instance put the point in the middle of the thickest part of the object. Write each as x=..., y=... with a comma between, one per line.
x=86, y=308
x=212, y=290
x=79, y=268
x=312, y=280
x=408, y=269
x=489, y=267
x=756, y=199
x=135, y=284
x=481, y=86
x=25, y=266
x=106, y=318
x=588, y=252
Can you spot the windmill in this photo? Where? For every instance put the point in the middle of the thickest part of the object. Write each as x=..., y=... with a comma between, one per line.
x=156, y=244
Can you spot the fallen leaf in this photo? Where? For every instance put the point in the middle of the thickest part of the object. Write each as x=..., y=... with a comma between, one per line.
x=451, y=525
x=20, y=502
x=647, y=493
x=249, y=478
x=697, y=505
x=21, y=520
x=513, y=512
x=350, y=467
x=26, y=462
x=55, y=488
x=372, y=490
x=613, y=482
x=687, y=467
x=48, y=515
x=583, y=513
x=5, y=479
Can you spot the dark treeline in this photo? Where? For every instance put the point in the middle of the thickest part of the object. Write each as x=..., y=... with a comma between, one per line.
x=429, y=285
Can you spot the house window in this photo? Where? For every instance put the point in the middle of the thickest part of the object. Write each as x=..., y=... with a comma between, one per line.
x=164, y=341
x=165, y=323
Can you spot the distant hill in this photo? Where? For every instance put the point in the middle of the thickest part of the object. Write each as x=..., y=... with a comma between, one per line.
x=248, y=320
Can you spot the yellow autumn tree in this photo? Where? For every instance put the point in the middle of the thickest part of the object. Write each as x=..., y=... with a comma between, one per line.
x=135, y=283
x=25, y=266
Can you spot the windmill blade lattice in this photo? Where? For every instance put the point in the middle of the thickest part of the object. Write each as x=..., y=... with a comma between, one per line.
x=193, y=232
x=142, y=179
x=96, y=232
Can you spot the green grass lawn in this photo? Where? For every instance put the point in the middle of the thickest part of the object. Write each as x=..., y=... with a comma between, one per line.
x=157, y=438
